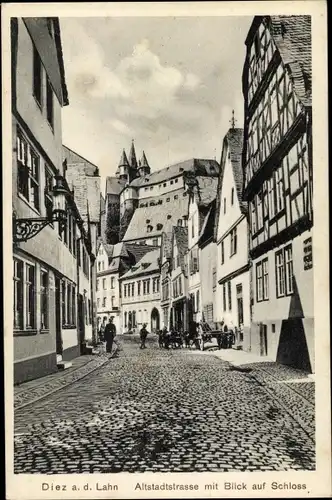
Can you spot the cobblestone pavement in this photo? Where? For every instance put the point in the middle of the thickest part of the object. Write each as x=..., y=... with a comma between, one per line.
x=162, y=411
x=32, y=391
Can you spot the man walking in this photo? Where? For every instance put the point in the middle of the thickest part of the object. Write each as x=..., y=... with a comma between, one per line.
x=143, y=334
x=109, y=334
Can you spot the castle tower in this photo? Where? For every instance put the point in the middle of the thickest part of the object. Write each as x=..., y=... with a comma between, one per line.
x=124, y=168
x=132, y=156
x=143, y=166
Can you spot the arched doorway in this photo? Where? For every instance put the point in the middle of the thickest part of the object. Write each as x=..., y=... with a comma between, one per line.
x=155, y=320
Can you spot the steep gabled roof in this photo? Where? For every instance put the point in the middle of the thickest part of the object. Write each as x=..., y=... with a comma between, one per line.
x=233, y=143
x=198, y=166
x=208, y=226
x=74, y=158
x=152, y=221
x=293, y=39
x=114, y=185
x=205, y=190
x=149, y=263
x=292, y=36
x=167, y=244
x=180, y=234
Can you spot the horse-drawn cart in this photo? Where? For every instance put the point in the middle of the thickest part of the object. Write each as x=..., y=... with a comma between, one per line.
x=206, y=334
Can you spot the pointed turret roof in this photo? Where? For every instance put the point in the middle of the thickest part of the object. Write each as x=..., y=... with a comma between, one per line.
x=123, y=160
x=132, y=156
x=144, y=162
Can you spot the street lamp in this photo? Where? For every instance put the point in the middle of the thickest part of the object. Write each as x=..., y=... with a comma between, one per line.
x=24, y=229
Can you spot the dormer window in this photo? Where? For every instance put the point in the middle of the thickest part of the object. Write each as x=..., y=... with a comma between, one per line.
x=149, y=228
x=176, y=197
x=169, y=216
x=159, y=227
x=147, y=221
x=168, y=199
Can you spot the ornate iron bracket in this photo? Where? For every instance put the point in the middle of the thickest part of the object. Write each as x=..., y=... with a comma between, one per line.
x=25, y=229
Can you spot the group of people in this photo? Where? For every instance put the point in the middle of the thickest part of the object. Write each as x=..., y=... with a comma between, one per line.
x=167, y=339
x=107, y=333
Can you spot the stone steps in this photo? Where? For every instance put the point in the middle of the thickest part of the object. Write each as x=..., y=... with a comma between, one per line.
x=64, y=365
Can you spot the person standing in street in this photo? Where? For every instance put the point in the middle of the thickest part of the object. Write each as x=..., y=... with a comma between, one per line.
x=143, y=334
x=109, y=334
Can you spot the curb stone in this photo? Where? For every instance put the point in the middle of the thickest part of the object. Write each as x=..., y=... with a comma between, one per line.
x=28, y=397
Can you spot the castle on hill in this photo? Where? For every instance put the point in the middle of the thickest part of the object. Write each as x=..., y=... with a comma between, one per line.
x=141, y=205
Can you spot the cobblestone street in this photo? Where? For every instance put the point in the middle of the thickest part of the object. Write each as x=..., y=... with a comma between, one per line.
x=158, y=410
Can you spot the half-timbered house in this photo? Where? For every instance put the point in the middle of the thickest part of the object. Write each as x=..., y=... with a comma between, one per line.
x=277, y=163
x=231, y=234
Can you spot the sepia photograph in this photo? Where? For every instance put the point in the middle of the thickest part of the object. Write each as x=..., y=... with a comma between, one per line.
x=163, y=249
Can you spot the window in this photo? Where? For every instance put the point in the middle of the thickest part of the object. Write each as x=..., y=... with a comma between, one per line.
x=179, y=222
x=155, y=242
x=164, y=185
x=171, y=182
x=98, y=303
x=159, y=227
x=104, y=283
x=265, y=279
x=229, y=295
x=262, y=280
x=139, y=288
x=104, y=301
x=232, y=196
x=73, y=306
x=253, y=217
x=30, y=296
x=48, y=192
x=178, y=261
x=18, y=295
x=176, y=197
x=28, y=171
x=49, y=102
x=280, y=203
x=37, y=77
x=125, y=319
x=97, y=286
x=289, y=269
x=113, y=301
x=224, y=296
x=133, y=289
x=280, y=273
x=149, y=229
x=224, y=205
x=192, y=227
x=112, y=283
x=125, y=290
x=233, y=237
x=180, y=285
x=271, y=196
x=259, y=210
x=176, y=180
x=222, y=252
x=168, y=199
x=44, y=300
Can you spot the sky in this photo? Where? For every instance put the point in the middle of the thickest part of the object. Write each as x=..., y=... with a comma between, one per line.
x=169, y=83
